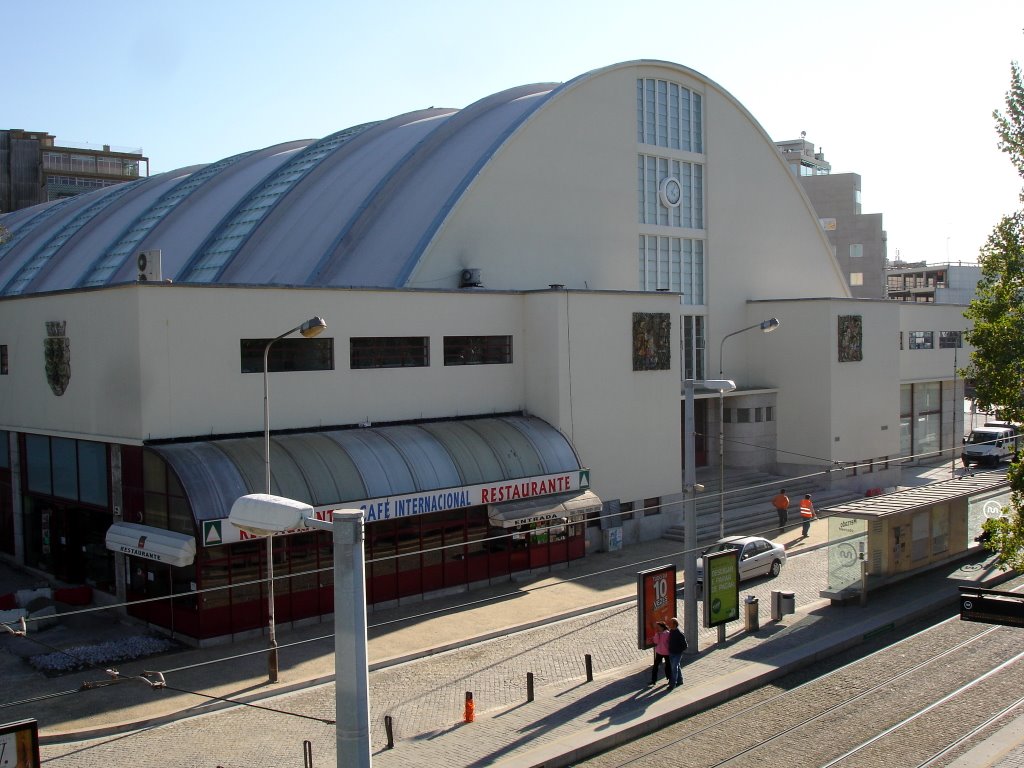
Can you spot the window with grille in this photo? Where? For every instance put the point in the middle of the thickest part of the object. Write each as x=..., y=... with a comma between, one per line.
x=288, y=355
x=477, y=350
x=389, y=352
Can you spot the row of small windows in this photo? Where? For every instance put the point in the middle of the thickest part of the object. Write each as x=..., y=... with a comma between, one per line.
x=926, y=340
x=668, y=115
x=670, y=193
x=370, y=352
x=748, y=415
x=673, y=264
x=111, y=166
x=78, y=183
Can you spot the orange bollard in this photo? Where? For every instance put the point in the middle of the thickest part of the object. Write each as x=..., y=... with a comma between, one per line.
x=470, y=712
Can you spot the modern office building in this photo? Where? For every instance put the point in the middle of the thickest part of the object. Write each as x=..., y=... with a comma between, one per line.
x=945, y=283
x=514, y=294
x=35, y=169
x=858, y=239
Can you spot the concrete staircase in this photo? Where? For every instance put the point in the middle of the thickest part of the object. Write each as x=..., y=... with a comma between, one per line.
x=748, y=504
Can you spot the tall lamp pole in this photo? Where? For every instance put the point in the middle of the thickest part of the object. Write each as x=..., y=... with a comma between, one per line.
x=312, y=327
x=766, y=326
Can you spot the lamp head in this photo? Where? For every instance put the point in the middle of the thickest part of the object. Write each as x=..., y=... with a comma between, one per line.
x=767, y=326
x=722, y=385
x=315, y=326
x=261, y=514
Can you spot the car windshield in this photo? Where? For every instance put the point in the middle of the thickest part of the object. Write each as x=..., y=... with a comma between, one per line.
x=725, y=547
x=978, y=438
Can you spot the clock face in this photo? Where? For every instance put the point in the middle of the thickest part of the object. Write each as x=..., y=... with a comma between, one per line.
x=670, y=192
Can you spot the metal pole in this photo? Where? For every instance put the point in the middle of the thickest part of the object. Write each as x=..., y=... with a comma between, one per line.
x=272, y=657
x=352, y=679
x=690, y=524
x=721, y=464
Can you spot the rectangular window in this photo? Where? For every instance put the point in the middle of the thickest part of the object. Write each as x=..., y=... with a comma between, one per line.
x=727, y=415
x=37, y=460
x=5, y=449
x=920, y=340
x=856, y=250
x=626, y=510
x=856, y=278
x=758, y=414
x=950, y=340
x=3, y=359
x=693, y=347
x=652, y=506
x=769, y=413
x=389, y=352
x=477, y=350
x=742, y=415
x=288, y=355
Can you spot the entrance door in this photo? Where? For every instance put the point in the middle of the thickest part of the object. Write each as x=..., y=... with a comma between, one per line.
x=701, y=442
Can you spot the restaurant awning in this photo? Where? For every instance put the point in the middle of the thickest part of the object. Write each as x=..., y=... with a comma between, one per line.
x=549, y=508
x=152, y=543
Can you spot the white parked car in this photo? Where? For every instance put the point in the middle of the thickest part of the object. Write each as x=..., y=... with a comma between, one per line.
x=758, y=556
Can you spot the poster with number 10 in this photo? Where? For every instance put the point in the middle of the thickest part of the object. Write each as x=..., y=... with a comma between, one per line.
x=656, y=601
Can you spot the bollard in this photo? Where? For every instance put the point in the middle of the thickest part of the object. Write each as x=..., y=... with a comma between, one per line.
x=390, y=731
x=529, y=686
x=590, y=668
x=307, y=754
x=752, y=620
x=469, y=714
x=776, y=605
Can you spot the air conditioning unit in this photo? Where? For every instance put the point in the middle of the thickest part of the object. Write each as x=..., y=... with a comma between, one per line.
x=470, y=278
x=150, y=270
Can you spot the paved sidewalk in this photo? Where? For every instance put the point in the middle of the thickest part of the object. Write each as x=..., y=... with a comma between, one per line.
x=552, y=730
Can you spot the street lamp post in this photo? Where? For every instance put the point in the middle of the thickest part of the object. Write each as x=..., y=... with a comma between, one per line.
x=766, y=326
x=264, y=514
x=312, y=327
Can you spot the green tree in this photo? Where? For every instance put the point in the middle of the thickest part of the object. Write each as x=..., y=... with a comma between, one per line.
x=997, y=362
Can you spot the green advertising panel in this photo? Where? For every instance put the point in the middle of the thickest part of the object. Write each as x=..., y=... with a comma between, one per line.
x=721, y=587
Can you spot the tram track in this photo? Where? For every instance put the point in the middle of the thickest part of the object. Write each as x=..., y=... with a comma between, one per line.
x=918, y=698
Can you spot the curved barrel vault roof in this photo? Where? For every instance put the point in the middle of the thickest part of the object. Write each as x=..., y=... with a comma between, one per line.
x=357, y=208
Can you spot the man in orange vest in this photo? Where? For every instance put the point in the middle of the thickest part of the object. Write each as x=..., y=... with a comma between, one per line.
x=781, y=504
x=807, y=514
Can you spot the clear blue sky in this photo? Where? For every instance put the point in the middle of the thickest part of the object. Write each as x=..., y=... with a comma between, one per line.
x=899, y=91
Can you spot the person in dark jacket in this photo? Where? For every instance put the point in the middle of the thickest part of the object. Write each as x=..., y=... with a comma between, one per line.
x=676, y=648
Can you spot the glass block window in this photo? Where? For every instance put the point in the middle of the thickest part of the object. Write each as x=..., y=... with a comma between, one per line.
x=668, y=115
x=655, y=206
x=672, y=264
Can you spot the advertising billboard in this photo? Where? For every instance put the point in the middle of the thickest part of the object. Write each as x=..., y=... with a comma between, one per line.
x=655, y=600
x=721, y=587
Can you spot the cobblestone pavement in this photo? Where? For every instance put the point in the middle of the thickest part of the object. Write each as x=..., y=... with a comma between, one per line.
x=426, y=697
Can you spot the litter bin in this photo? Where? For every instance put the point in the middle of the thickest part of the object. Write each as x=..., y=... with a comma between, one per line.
x=751, y=619
x=787, y=602
x=782, y=603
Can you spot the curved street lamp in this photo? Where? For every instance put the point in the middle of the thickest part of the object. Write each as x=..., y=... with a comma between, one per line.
x=312, y=327
x=766, y=326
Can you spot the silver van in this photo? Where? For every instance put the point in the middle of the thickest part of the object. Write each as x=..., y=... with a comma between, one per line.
x=991, y=444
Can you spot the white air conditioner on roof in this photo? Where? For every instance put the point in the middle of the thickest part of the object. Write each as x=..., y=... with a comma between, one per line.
x=149, y=266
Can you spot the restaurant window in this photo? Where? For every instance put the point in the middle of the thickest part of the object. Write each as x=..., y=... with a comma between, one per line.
x=389, y=352
x=67, y=469
x=288, y=355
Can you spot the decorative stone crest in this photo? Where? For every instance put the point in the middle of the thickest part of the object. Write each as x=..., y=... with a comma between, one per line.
x=57, y=355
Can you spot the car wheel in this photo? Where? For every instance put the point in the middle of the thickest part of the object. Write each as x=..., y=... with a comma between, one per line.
x=776, y=567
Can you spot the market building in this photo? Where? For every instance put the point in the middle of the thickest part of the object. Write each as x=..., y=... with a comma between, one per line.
x=514, y=293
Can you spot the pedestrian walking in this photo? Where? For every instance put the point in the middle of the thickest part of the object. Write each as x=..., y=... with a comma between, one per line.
x=676, y=647
x=807, y=514
x=781, y=504
x=661, y=653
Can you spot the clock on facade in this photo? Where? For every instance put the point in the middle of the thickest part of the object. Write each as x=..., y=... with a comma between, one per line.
x=670, y=192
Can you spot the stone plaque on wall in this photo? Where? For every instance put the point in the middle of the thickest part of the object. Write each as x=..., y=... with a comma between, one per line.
x=851, y=337
x=652, y=341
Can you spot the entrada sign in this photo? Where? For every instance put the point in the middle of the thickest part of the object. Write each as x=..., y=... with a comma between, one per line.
x=217, y=532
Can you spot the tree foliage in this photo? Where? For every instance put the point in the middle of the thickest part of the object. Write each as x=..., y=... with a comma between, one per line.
x=997, y=362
